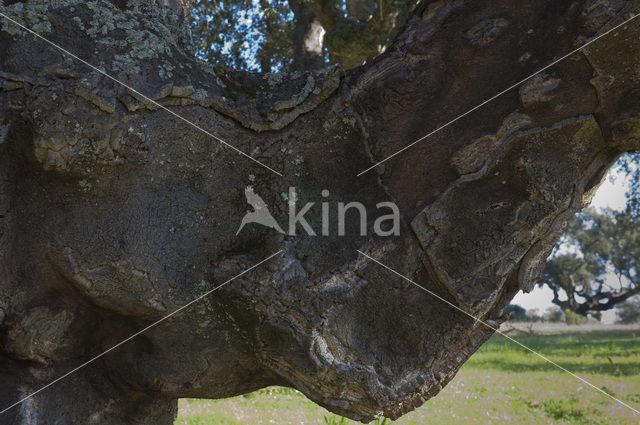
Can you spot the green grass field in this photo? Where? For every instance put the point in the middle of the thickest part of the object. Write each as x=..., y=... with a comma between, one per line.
x=502, y=383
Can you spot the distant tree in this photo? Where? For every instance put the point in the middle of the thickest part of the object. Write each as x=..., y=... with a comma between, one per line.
x=534, y=316
x=518, y=312
x=554, y=315
x=571, y=318
x=629, y=311
x=597, y=247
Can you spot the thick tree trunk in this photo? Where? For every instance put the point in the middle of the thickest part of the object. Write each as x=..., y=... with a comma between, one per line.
x=114, y=213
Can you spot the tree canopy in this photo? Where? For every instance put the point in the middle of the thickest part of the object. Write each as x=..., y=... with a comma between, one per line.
x=273, y=35
x=596, y=266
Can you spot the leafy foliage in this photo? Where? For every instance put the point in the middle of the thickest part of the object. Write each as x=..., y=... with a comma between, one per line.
x=629, y=165
x=629, y=311
x=571, y=318
x=244, y=34
x=273, y=35
x=518, y=313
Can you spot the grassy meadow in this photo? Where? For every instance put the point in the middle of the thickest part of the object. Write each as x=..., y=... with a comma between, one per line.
x=502, y=383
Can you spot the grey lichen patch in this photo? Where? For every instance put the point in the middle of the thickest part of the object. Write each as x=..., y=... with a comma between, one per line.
x=140, y=42
x=102, y=21
x=124, y=62
x=165, y=70
x=32, y=16
x=146, y=45
x=78, y=21
x=37, y=19
x=12, y=28
x=129, y=43
x=15, y=12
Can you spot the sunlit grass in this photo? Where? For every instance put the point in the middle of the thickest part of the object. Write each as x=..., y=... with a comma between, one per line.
x=501, y=383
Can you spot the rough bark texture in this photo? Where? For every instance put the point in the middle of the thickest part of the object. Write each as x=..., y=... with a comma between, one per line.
x=113, y=213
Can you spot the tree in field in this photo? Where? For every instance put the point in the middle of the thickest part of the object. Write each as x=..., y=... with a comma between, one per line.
x=629, y=311
x=600, y=269
x=517, y=313
x=554, y=315
x=115, y=212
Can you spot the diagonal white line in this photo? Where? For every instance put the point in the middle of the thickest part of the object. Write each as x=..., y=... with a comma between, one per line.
x=475, y=108
x=501, y=333
x=180, y=117
x=138, y=333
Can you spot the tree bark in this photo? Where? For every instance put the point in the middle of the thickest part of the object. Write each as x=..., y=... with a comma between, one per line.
x=308, y=37
x=113, y=213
